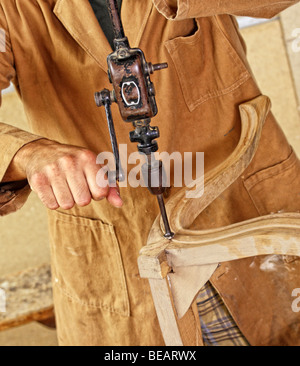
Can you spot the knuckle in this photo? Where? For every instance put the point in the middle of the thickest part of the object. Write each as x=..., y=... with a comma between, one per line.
x=68, y=162
x=88, y=156
x=38, y=181
x=53, y=170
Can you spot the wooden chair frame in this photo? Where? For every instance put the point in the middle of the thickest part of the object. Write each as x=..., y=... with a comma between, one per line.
x=190, y=249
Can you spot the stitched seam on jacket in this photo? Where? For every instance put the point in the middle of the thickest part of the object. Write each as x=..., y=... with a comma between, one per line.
x=247, y=182
x=98, y=225
x=183, y=7
x=252, y=199
x=80, y=302
x=8, y=35
x=242, y=69
x=212, y=95
x=285, y=164
x=87, y=49
x=244, y=73
x=262, y=7
x=166, y=9
x=143, y=26
x=79, y=220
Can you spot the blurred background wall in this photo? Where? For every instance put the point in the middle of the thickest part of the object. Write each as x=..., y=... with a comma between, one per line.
x=274, y=54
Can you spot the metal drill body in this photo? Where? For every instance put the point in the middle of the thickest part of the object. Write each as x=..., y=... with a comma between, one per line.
x=133, y=91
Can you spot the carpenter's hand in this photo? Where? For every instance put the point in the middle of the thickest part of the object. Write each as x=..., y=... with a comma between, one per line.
x=62, y=175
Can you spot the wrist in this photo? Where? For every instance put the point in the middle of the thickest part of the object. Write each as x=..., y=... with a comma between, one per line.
x=17, y=168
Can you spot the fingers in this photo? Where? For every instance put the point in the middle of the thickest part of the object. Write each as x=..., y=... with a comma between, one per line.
x=63, y=194
x=114, y=198
x=47, y=197
x=79, y=188
x=98, y=185
x=99, y=188
x=72, y=179
x=41, y=186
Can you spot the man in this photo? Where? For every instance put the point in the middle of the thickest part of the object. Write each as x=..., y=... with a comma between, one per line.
x=56, y=57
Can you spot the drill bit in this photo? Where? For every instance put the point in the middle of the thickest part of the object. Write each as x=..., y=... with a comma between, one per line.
x=168, y=232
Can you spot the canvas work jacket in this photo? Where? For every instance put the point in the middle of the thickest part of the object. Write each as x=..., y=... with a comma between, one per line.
x=56, y=57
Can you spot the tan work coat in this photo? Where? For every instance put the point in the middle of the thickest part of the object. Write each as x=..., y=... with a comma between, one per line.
x=56, y=56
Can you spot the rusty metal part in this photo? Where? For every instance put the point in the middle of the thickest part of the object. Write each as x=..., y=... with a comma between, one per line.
x=133, y=89
x=155, y=179
x=113, y=10
x=145, y=135
x=104, y=99
x=134, y=92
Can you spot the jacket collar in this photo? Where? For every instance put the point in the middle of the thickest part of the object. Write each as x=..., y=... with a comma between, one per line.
x=78, y=18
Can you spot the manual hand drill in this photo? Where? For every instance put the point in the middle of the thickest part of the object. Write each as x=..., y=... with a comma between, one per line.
x=133, y=91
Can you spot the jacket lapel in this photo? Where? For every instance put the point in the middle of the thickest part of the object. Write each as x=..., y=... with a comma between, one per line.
x=79, y=19
x=135, y=15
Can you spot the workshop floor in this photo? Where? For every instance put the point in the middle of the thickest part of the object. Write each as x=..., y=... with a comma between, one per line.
x=24, y=239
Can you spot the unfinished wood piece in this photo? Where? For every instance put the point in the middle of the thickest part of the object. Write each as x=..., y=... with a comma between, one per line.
x=273, y=234
x=166, y=315
x=182, y=210
x=26, y=297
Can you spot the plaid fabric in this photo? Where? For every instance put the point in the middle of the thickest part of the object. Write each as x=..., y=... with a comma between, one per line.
x=217, y=325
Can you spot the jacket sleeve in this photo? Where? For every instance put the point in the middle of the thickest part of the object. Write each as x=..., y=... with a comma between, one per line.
x=13, y=194
x=183, y=9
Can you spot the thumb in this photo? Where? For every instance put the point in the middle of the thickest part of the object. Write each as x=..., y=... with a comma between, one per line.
x=114, y=198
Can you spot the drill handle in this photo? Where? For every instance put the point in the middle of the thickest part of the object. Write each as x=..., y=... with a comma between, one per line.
x=103, y=98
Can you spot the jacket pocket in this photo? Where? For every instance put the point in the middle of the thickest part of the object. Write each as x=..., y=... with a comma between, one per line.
x=277, y=188
x=87, y=263
x=206, y=63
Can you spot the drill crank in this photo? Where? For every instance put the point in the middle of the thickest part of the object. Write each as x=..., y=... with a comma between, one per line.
x=133, y=91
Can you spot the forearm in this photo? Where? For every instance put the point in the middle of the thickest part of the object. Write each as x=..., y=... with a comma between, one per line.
x=14, y=189
x=15, y=171
x=12, y=140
